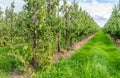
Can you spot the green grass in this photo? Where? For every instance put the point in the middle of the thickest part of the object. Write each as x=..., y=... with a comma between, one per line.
x=4, y=74
x=99, y=58
x=7, y=64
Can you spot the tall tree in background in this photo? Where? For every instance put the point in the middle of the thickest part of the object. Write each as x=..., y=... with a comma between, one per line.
x=35, y=23
x=12, y=20
x=59, y=32
x=112, y=27
x=1, y=12
x=32, y=11
x=6, y=15
x=50, y=2
x=65, y=11
x=35, y=30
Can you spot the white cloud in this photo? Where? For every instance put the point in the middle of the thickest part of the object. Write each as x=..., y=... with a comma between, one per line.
x=18, y=1
x=19, y=4
x=94, y=1
x=3, y=7
x=102, y=10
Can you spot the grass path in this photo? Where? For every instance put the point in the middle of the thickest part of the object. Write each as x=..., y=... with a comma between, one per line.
x=99, y=58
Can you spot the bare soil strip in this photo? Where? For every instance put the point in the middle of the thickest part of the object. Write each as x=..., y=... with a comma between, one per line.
x=58, y=55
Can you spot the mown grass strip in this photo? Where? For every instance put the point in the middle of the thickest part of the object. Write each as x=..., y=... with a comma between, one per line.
x=99, y=58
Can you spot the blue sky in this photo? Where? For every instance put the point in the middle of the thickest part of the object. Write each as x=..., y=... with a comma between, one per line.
x=100, y=10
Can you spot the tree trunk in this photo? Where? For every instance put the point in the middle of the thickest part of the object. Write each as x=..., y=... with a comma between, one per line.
x=59, y=47
x=66, y=38
x=49, y=7
x=49, y=11
x=72, y=21
x=34, y=41
x=11, y=29
x=71, y=42
x=34, y=35
x=33, y=62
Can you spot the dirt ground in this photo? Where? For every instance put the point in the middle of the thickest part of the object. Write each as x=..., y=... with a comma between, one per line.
x=58, y=55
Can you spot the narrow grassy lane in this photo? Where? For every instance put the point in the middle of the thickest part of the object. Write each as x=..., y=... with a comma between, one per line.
x=99, y=58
